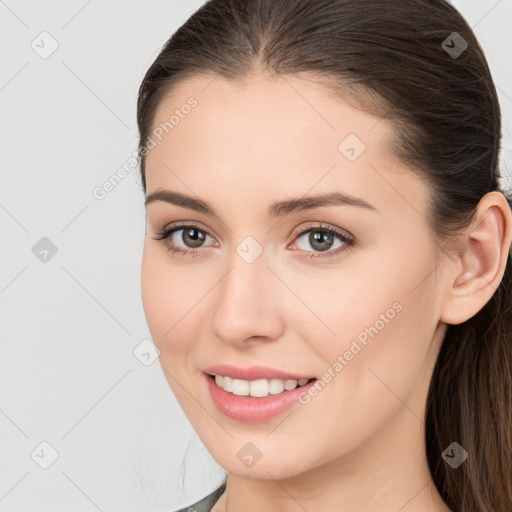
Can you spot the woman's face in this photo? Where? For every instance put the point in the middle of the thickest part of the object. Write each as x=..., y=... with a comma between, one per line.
x=359, y=310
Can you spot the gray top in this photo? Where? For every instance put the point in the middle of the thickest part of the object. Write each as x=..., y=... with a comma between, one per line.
x=206, y=504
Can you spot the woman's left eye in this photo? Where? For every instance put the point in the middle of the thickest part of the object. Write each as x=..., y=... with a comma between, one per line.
x=321, y=238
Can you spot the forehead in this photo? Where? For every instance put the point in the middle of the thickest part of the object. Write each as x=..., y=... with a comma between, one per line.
x=266, y=97
x=268, y=118
x=273, y=135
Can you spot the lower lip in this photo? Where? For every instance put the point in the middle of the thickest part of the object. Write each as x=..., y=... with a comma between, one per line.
x=253, y=409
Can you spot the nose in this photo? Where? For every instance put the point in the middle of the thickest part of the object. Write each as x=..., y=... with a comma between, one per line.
x=248, y=303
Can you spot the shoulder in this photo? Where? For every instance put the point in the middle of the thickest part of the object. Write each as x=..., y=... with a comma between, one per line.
x=205, y=504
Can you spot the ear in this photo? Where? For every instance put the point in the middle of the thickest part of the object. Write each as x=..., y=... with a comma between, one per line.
x=474, y=276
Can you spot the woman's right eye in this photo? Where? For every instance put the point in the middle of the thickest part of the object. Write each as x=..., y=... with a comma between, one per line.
x=190, y=232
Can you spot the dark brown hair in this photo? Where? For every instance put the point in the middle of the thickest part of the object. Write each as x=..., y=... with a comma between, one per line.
x=388, y=56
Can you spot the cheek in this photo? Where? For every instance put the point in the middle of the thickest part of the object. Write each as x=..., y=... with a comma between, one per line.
x=382, y=322
x=176, y=306
x=167, y=302
x=152, y=291
x=165, y=293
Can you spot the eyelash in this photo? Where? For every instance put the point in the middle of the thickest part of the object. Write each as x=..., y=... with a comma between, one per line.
x=349, y=242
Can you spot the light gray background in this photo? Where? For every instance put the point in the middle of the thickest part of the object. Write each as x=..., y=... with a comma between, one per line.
x=69, y=326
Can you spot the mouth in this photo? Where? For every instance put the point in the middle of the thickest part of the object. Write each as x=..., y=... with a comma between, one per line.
x=259, y=388
x=255, y=401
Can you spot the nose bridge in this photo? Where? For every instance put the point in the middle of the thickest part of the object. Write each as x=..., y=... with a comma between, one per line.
x=246, y=297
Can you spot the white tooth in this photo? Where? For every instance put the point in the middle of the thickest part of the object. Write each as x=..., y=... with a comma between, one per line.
x=240, y=387
x=276, y=386
x=290, y=384
x=228, y=384
x=259, y=388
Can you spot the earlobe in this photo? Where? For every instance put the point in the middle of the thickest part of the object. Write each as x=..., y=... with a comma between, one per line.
x=478, y=271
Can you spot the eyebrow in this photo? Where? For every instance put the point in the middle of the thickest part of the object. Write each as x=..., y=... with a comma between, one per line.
x=276, y=209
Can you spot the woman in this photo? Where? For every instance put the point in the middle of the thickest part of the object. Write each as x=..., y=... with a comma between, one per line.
x=326, y=269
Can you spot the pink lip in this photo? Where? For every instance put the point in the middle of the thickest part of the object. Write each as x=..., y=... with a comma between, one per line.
x=253, y=409
x=252, y=373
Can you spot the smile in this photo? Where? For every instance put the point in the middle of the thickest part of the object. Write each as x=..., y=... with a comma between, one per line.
x=253, y=409
x=257, y=388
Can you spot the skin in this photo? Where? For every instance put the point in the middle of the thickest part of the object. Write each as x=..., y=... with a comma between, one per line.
x=358, y=445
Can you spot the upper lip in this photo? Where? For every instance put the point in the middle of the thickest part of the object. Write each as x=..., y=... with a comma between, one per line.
x=252, y=373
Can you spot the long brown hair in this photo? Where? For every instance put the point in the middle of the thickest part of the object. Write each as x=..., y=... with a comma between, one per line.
x=400, y=60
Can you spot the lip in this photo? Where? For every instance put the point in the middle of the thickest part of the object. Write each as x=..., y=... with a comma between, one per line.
x=253, y=409
x=253, y=372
